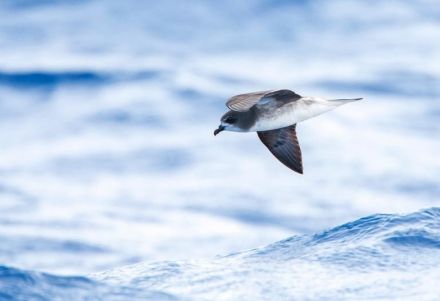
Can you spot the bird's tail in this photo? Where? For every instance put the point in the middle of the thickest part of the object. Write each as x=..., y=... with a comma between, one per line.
x=344, y=100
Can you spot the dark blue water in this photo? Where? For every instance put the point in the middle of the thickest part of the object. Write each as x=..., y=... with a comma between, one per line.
x=16, y=284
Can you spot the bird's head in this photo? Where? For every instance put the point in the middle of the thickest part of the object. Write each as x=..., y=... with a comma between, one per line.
x=229, y=122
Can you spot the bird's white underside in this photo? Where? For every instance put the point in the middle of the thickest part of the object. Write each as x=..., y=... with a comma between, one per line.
x=294, y=112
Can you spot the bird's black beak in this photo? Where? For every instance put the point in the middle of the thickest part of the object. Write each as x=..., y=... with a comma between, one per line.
x=220, y=128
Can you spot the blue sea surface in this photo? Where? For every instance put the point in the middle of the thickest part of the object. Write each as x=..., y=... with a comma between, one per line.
x=382, y=256
x=113, y=187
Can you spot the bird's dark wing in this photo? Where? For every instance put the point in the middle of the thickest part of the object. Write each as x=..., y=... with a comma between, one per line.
x=283, y=144
x=244, y=102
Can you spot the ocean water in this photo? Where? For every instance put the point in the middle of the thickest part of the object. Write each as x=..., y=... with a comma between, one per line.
x=378, y=257
x=113, y=187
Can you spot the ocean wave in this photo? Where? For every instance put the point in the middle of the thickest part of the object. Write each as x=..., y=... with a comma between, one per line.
x=341, y=263
x=84, y=78
x=22, y=285
x=45, y=78
x=346, y=262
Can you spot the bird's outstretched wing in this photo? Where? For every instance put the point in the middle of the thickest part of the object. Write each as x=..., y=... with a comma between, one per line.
x=244, y=102
x=283, y=144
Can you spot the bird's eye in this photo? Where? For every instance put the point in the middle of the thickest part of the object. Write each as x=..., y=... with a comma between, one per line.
x=230, y=120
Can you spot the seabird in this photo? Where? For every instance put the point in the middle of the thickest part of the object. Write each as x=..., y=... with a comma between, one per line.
x=273, y=115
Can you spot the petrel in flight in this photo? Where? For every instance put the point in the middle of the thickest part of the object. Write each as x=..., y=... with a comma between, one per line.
x=273, y=115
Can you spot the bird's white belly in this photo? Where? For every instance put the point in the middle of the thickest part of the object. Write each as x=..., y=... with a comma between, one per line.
x=290, y=114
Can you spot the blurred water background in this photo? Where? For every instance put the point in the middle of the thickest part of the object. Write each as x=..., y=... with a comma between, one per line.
x=107, y=156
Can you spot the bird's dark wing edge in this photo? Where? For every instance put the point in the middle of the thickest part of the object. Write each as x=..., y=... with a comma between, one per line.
x=283, y=95
x=283, y=144
x=244, y=102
